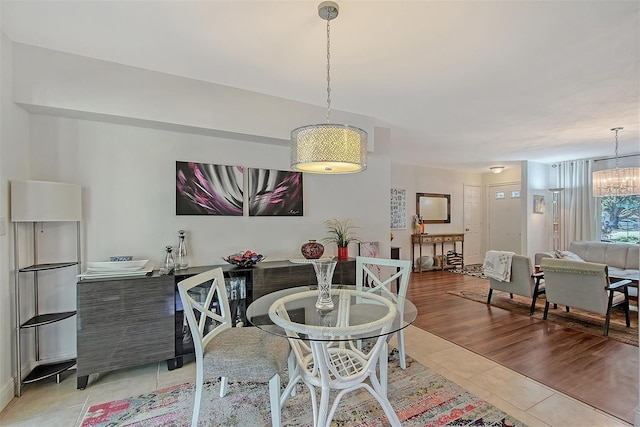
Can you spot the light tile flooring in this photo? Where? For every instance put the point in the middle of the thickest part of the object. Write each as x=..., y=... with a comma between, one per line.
x=49, y=404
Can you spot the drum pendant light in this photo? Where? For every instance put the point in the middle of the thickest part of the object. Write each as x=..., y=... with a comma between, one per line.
x=328, y=148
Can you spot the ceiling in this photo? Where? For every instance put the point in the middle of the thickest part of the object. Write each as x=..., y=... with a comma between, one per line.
x=462, y=84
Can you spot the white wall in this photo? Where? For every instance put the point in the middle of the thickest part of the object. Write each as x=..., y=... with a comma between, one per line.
x=81, y=86
x=128, y=179
x=14, y=144
x=539, y=226
x=417, y=179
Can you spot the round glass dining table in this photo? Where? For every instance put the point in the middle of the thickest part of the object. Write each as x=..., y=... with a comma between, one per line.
x=301, y=308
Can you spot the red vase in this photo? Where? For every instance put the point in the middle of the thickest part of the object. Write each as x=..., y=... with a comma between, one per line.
x=343, y=252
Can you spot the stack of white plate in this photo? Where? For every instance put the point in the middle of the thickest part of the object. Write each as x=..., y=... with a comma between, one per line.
x=134, y=268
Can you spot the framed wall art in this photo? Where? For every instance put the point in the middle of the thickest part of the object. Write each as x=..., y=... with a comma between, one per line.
x=208, y=189
x=538, y=204
x=274, y=192
x=398, y=209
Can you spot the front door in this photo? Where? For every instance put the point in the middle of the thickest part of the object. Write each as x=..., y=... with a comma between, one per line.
x=504, y=217
x=472, y=225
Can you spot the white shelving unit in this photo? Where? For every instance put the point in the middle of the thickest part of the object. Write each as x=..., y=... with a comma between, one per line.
x=32, y=203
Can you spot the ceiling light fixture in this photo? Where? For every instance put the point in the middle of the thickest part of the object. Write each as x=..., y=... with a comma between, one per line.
x=496, y=169
x=618, y=181
x=328, y=148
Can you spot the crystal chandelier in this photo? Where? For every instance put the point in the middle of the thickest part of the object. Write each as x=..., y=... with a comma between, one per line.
x=328, y=148
x=618, y=181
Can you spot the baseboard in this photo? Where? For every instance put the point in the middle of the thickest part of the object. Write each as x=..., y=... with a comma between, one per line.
x=7, y=392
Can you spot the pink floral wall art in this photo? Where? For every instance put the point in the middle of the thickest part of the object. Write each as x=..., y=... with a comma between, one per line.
x=274, y=193
x=207, y=189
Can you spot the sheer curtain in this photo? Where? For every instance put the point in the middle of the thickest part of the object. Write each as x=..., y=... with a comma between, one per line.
x=578, y=208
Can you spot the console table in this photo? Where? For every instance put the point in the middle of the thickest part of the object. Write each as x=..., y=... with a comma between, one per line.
x=435, y=240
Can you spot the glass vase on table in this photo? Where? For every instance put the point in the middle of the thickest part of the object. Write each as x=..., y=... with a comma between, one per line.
x=324, y=274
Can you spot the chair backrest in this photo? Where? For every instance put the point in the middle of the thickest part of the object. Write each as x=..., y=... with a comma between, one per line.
x=209, y=323
x=521, y=282
x=380, y=274
x=576, y=284
x=314, y=358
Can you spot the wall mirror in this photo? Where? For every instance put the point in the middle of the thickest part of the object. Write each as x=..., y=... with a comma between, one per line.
x=434, y=208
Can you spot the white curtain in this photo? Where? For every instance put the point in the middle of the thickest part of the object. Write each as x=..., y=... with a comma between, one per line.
x=578, y=209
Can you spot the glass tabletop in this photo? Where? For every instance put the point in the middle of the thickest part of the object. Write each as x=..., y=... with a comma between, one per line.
x=301, y=309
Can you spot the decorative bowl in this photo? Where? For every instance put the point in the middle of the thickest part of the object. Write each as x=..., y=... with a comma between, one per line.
x=244, y=259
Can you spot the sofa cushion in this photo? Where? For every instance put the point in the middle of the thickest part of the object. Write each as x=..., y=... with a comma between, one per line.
x=568, y=255
x=633, y=257
x=620, y=255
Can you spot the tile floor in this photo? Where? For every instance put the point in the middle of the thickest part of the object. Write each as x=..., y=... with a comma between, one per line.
x=61, y=405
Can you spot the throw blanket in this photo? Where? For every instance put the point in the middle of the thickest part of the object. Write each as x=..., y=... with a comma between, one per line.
x=497, y=265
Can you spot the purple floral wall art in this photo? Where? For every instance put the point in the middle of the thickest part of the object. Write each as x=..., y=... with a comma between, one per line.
x=207, y=189
x=274, y=193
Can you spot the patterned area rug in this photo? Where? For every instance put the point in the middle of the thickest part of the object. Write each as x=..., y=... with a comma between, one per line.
x=474, y=270
x=420, y=396
x=576, y=318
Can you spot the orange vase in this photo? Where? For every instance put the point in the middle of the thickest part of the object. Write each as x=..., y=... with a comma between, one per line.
x=343, y=252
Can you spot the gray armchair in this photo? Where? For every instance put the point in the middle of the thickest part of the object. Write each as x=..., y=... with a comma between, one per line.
x=584, y=285
x=523, y=281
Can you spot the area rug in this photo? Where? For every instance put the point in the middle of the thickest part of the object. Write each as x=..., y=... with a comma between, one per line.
x=420, y=397
x=576, y=318
x=474, y=270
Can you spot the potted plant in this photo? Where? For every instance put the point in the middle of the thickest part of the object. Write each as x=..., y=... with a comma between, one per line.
x=341, y=233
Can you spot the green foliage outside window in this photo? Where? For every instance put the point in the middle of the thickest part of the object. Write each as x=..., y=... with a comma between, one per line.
x=620, y=218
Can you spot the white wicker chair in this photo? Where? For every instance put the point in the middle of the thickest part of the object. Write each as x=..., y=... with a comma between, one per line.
x=245, y=354
x=336, y=365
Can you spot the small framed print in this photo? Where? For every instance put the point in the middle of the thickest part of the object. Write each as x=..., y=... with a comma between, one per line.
x=538, y=204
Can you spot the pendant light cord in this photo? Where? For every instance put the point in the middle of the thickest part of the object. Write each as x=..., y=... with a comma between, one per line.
x=328, y=68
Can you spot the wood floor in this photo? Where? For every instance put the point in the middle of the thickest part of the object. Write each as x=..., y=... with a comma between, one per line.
x=593, y=369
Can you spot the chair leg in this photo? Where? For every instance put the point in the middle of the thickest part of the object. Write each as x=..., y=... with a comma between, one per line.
x=292, y=364
x=198, y=396
x=403, y=358
x=510, y=295
x=536, y=292
x=323, y=408
x=606, y=322
x=533, y=304
x=224, y=386
x=489, y=297
x=626, y=307
x=274, y=398
x=566, y=308
x=546, y=310
x=381, y=396
x=383, y=361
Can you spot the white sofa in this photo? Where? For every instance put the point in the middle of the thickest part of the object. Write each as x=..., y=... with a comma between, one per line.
x=622, y=259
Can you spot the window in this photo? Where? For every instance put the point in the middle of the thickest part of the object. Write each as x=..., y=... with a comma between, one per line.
x=620, y=218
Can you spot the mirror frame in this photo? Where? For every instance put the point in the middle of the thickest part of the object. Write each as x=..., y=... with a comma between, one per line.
x=437, y=196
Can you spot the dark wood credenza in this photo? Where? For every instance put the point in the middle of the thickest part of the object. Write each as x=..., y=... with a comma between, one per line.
x=125, y=322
